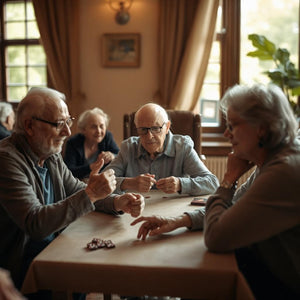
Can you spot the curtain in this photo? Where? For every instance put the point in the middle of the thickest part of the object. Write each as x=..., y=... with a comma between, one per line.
x=58, y=22
x=175, y=22
x=183, y=65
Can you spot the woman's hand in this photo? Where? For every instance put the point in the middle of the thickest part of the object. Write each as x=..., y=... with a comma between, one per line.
x=236, y=167
x=107, y=156
x=155, y=225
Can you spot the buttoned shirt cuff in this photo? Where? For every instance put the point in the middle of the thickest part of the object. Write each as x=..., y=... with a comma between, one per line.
x=185, y=185
x=197, y=218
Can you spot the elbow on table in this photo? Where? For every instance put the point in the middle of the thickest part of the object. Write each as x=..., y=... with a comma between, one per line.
x=216, y=244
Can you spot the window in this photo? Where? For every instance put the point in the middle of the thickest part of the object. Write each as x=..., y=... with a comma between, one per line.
x=23, y=59
x=229, y=64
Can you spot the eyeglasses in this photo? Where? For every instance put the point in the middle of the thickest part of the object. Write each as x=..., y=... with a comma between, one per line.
x=59, y=124
x=153, y=129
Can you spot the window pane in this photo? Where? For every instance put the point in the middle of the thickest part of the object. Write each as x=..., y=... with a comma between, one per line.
x=36, y=55
x=210, y=91
x=36, y=75
x=32, y=30
x=278, y=22
x=16, y=93
x=16, y=75
x=15, y=30
x=30, y=11
x=15, y=55
x=14, y=11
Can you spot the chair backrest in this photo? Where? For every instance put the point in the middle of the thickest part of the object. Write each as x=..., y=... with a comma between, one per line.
x=182, y=122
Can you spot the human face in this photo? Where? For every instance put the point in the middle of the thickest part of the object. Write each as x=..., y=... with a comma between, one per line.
x=243, y=136
x=45, y=138
x=153, y=142
x=95, y=129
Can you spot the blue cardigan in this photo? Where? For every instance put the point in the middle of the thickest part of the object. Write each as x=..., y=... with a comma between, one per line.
x=74, y=153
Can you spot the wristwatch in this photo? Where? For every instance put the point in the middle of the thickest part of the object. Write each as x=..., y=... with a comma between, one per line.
x=228, y=185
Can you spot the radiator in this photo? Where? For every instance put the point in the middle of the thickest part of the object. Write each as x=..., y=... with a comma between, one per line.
x=217, y=165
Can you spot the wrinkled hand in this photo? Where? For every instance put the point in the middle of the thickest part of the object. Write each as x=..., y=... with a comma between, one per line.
x=169, y=185
x=130, y=203
x=236, y=167
x=7, y=288
x=107, y=156
x=141, y=183
x=100, y=185
x=155, y=225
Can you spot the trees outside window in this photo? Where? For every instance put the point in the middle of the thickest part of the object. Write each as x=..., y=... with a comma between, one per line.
x=229, y=63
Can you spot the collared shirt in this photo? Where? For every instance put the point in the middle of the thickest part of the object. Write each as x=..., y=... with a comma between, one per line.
x=178, y=159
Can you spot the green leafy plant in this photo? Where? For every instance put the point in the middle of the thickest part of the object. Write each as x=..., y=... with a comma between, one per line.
x=284, y=74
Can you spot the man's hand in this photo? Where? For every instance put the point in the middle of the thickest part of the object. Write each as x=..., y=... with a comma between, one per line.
x=141, y=183
x=100, y=185
x=169, y=185
x=130, y=203
x=155, y=225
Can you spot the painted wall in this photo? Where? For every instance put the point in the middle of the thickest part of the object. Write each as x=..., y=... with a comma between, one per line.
x=117, y=90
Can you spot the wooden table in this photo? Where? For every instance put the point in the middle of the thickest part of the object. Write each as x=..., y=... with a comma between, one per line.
x=173, y=264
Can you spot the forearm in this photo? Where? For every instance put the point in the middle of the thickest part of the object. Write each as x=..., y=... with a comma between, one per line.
x=199, y=185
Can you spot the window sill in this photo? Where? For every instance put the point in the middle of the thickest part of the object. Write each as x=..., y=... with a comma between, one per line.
x=214, y=144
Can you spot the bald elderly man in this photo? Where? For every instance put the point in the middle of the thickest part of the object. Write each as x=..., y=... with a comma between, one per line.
x=158, y=159
x=39, y=195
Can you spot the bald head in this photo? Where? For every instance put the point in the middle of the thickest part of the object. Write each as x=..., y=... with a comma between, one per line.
x=152, y=112
x=41, y=102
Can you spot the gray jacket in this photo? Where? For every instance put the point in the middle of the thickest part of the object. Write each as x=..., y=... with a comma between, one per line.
x=23, y=215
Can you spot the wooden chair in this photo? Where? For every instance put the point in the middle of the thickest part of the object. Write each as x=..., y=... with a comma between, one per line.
x=182, y=122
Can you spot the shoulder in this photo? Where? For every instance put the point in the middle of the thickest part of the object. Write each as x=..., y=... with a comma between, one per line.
x=130, y=143
x=182, y=140
x=76, y=139
x=108, y=136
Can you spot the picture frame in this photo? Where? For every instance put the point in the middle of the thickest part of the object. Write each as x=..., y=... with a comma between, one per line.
x=121, y=50
x=209, y=111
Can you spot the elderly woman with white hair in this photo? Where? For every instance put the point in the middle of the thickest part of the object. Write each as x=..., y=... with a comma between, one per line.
x=7, y=119
x=263, y=225
x=94, y=142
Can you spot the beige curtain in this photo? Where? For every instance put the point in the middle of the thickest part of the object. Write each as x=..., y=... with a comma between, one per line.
x=194, y=64
x=175, y=23
x=58, y=22
x=186, y=35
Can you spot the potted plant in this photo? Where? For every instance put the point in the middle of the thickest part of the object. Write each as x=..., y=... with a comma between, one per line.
x=284, y=74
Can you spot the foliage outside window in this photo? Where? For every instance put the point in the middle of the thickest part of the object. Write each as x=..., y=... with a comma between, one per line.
x=229, y=63
x=23, y=58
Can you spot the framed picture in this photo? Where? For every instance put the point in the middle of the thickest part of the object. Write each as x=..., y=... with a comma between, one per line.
x=209, y=111
x=121, y=50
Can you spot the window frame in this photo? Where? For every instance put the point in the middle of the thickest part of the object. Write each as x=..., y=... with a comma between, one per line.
x=229, y=38
x=11, y=42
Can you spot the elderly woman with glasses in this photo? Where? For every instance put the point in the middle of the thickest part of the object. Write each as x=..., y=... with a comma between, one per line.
x=263, y=225
x=158, y=159
x=93, y=143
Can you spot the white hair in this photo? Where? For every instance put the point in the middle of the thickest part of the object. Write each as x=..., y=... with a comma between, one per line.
x=5, y=110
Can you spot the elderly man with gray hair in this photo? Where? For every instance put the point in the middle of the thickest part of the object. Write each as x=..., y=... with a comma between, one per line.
x=39, y=194
x=7, y=119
